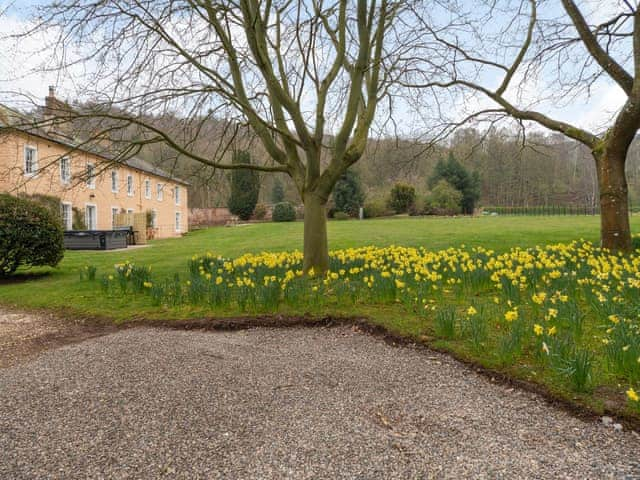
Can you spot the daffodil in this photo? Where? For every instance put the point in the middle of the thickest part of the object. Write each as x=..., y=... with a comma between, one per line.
x=511, y=315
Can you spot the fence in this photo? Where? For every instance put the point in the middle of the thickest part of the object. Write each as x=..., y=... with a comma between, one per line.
x=207, y=217
x=138, y=221
x=545, y=210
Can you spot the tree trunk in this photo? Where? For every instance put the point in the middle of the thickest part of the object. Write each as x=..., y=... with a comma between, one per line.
x=614, y=201
x=316, y=247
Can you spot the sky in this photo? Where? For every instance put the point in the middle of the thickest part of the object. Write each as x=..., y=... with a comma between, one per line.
x=18, y=60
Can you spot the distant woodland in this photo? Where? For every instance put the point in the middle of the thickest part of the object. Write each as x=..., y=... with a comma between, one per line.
x=541, y=170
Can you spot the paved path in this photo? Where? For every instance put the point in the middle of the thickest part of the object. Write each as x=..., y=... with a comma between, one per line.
x=283, y=403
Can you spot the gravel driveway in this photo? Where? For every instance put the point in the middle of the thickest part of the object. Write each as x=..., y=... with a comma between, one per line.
x=283, y=403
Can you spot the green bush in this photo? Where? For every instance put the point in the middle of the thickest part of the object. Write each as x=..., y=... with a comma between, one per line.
x=341, y=216
x=347, y=194
x=245, y=187
x=444, y=199
x=260, y=211
x=468, y=184
x=403, y=198
x=50, y=202
x=284, y=212
x=30, y=235
x=277, y=191
x=376, y=208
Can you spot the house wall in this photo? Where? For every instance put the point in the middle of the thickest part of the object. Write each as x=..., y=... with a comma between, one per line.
x=79, y=194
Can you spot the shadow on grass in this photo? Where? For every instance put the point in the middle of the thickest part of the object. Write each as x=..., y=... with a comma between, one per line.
x=23, y=277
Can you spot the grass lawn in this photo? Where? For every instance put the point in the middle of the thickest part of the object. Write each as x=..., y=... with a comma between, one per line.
x=61, y=289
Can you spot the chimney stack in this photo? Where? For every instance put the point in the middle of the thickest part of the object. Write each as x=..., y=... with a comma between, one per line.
x=56, y=113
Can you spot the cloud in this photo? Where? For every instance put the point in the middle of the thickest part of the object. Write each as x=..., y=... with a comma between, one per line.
x=20, y=59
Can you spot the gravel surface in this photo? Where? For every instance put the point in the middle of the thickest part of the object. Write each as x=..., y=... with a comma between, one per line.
x=283, y=403
x=24, y=335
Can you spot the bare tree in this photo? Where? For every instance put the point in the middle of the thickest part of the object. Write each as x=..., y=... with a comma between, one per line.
x=572, y=55
x=306, y=77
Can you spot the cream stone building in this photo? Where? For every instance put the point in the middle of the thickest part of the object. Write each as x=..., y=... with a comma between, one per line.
x=89, y=185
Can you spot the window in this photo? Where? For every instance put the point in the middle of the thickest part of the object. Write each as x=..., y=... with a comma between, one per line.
x=178, y=222
x=129, y=210
x=67, y=216
x=91, y=175
x=65, y=170
x=147, y=188
x=30, y=160
x=154, y=219
x=130, y=185
x=115, y=185
x=91, y=217
x=160, y=191
x=177, y=195
x=114, y=212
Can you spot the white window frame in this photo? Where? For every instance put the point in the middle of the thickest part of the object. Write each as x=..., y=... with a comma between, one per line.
x=130, y=187
x=91, y=179
x=68, y=225
x=115, y=176
x=176, y=193
x=129, y=210
x=114, y=211
x=160, y=191
x=34, y=164
x=65, y=180
x=86, y=216
x=147, y=188
x=154, y=218
x=178, y=222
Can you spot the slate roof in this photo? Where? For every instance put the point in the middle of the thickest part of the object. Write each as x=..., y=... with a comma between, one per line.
x=12, y=119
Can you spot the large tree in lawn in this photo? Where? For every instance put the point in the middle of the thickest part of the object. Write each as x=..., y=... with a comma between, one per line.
x=573, y=54
x=304, y=77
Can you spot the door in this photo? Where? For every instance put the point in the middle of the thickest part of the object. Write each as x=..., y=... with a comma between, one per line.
x=91, y=217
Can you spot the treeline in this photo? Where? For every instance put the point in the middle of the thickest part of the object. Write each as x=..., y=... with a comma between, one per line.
x=542, y=170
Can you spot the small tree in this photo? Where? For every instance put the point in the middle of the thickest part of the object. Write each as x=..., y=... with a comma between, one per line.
x=30, y=235
x=245, y=187
x=454, y=173
x=347, y=194
x=277, y=191
x=403, y=197
x=444, y=199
